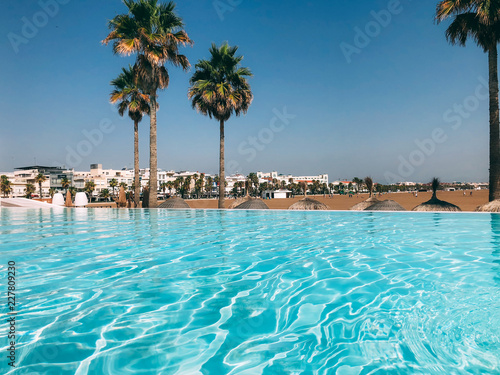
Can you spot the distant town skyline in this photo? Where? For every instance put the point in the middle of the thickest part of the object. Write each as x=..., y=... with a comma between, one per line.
x=371, y=88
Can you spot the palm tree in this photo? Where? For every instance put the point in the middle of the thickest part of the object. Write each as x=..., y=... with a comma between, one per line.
x=89, y=188
x=358, y=182
x=163, y=187
x=198, y=186
x=154, y=32
x=130, y=98
x=52, y=192
x=104, y=194
x=254, y=182
x=303, y=187
x=65, y=183
x=219, y=89
x=186, y=186
x=177, y=184
x=5, y=185
x=72, y=191
x=479, y=20
x=369, y=185
x=40, y=179
x=209, y=186
x=113, y=183
x=30, y=189
x=170, y=185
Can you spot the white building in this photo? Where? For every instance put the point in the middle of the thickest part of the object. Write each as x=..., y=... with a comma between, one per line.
x=288, y=178
x=102, y=177
x=276, y=194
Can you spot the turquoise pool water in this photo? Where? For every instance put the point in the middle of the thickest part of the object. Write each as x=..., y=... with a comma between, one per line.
x=252, y=292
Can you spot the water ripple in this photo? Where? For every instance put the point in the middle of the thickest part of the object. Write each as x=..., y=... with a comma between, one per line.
x=210, y=292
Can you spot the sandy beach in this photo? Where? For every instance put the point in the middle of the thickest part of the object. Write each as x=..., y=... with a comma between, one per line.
x=342, y=202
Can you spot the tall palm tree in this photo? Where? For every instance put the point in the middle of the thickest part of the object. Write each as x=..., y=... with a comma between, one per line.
x=186, y=186
x=153, y=32
x=170, y=185
x=209, y=186
x=163, y=187
x=479, y=20
x=40, y=179
x=177, y=184
x=5, y=185
x=303, y=186
x=131, y=98
x=357, y=181
x=369, y=185
x=104, y=194
x=89, y=188
x=65, y=183
x=219, y=89
x=30, y=189
x=113, y=183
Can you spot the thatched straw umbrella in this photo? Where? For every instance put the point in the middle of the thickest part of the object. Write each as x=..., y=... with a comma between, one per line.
x=68, y=203
x=239, y=201
x=175, y=203
x=493, y=206
x=387, y=205
x=308, y=204
x=370, y=201
x=122, y=198
x=365, y=204
x=252, y=204
x=434, y=204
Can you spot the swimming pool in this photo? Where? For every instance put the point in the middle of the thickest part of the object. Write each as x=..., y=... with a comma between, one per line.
x=252, y=292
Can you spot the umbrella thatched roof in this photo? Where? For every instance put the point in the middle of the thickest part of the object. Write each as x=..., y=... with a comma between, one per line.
x=308, y=204
x=435, y=204
x=175, y=203
x=365, y=204
x=252, y=204
x=493, y=206
x=68, y=203
x=122, y=198
x=239, y=201
x=387, y=205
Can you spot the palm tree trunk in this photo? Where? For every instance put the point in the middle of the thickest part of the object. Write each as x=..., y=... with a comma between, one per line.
x=153, y=157
x=222, y=175
x=137, y=188
x=40, y=186
x=494, y=125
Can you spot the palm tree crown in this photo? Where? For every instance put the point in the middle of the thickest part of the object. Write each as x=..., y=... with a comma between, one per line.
x=219, y=85
x=128, y=95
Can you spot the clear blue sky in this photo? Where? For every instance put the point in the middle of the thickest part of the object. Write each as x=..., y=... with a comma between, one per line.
x=351, y=119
